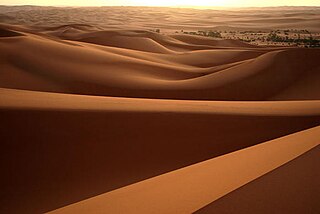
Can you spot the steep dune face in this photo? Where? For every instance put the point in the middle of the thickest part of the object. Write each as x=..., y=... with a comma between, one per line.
x=185, y=190
x=296, y=181
x=8, y=33
x=89, y=149
x=139, y=116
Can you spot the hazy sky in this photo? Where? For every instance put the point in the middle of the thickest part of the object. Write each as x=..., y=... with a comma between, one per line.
x=223, y=3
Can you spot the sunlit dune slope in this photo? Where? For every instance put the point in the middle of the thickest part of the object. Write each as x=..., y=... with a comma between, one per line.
x=187, y=189
x=97, y=144
x=290, y=189
x=114, y=118
x=35, y=62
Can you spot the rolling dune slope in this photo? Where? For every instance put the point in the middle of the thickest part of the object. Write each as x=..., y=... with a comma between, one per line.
x=98, y=118
x=218, y=74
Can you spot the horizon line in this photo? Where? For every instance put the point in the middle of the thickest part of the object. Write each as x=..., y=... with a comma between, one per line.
x=153, y=6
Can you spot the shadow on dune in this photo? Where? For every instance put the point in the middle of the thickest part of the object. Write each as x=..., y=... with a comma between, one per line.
x=55, y=158
x=297, y=181
x=52, y=158
x=8, y=33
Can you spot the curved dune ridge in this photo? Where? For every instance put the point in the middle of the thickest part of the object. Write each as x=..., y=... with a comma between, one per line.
x=97, y=120
x=116, y=68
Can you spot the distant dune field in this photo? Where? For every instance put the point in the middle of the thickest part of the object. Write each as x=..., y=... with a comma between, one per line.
x=101, y=114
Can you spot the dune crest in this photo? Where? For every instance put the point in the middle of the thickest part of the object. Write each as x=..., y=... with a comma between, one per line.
x=188, y=189
x=141, y=110
x=110, y=70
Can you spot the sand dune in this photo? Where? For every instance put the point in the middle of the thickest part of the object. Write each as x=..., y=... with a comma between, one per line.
x=163, y=135
x=198, y=40
x=98, y=115
x=167, y=19
x=50, y=65
x=185, y=190
x=289, y=189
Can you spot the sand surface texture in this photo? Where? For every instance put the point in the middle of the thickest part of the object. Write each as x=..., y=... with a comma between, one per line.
x=100, y=114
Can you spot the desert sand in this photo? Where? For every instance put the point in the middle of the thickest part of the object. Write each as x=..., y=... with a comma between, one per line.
x=106, y=115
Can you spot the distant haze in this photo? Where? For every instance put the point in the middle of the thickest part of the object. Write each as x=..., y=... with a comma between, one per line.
x=183, y=3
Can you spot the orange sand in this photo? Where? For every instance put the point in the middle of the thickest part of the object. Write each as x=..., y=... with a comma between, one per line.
x=114, y=118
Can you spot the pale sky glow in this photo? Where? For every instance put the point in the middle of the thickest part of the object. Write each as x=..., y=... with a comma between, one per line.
x=199, y=3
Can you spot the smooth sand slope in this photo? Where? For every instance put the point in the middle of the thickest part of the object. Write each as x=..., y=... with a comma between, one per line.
x=117, y=119
x=86, y=145
x=290, y=189
x=190, y=188
x=45, y=64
